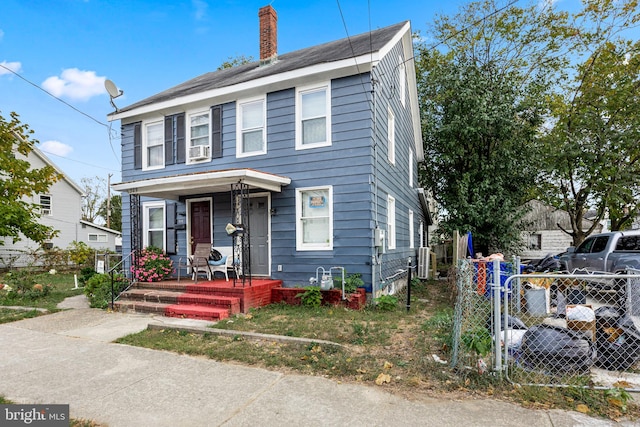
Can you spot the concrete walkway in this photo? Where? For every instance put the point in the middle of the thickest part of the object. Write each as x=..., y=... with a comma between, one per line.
x=68, y=357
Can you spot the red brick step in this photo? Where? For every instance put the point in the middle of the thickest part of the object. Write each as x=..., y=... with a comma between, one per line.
x=207, y=300
x=193, y=311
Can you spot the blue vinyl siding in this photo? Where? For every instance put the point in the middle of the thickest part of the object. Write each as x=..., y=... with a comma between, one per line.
x=348, y=165
x=394, y=179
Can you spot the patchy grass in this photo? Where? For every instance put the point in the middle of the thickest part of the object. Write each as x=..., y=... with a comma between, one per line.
x=337, y=324
x=58, y=287
x=73, y=422
x=9, y=315
x=394, y=350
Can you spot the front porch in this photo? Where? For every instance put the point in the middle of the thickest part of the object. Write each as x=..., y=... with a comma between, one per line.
x=206, y=300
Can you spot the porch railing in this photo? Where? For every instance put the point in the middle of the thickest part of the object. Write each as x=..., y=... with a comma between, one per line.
x=123, y=269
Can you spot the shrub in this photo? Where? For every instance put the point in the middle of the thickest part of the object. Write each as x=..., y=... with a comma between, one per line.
x=22, y=284
x=80, y=253
x=98, y=289
x=153, y=265
x=311, y=297
x=478, y=339
x=86, y=273
x=352, y=282
x=386, y=303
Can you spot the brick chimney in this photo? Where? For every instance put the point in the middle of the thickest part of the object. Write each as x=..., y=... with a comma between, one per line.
x=268, y=35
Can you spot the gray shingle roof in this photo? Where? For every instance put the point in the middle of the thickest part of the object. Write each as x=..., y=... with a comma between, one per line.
x=358, y=45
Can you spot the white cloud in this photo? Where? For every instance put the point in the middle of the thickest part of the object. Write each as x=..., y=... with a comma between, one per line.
x=56, y=147
x=200, y=9
x=14, y=66
x=75, y=84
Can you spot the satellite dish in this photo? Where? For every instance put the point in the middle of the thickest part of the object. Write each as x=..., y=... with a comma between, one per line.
x=113, y=91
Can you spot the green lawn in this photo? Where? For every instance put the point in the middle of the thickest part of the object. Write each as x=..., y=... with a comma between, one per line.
x=36, y=289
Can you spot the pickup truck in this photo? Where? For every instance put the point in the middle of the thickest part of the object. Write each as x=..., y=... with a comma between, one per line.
x=613, y=252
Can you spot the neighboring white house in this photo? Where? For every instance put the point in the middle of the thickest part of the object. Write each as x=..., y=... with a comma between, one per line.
x=61, y=208
x=543, y=236
x=99, y=237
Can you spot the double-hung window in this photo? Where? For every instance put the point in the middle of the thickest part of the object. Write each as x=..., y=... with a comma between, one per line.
x=97, y=238
x=391, y=222
x=410, y=169
x=45, y=204
x=154, y=225
x=154, y=145
x=411, y=231
x=391, y=136
x=199, y=136
x=251, y=129
x=313, y=118
x=314, y=213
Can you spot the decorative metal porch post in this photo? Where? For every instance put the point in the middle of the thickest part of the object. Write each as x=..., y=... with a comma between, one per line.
x=241, y=239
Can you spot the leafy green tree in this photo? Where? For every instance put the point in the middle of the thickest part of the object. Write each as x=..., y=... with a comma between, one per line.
x=482, y=96
x=235, y=61
x=19, y=182
x=477, y=139
x=115, y=220
x=592, y=155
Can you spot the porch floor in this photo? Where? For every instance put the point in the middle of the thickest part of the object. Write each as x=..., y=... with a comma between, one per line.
x=207, y=299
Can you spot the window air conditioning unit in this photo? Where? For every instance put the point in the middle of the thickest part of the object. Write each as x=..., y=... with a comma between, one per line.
x=198, y=152
x=423, y=263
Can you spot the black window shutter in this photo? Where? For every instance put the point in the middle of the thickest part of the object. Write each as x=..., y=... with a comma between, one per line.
x=168, y=140
x=216, y=131
x=180, y=138
x=137, y=146
x=171, y=228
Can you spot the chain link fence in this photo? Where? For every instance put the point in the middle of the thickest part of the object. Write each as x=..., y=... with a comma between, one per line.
x=395, y=276
x=473, y=345
x=549, y=329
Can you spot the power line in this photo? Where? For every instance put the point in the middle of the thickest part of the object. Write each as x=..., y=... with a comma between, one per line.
x=55, y=97
x=454, y=34
x=473, y=24
x=108, y=126
x=353, y=53
x=73, y=160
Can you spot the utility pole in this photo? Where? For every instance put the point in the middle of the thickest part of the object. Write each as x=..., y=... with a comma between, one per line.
x=109, y=200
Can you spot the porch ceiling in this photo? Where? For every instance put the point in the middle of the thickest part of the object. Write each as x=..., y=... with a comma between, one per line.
x=172, y=187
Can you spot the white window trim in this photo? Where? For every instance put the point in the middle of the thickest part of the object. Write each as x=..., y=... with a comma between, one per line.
x=412, y=243
x=145, y=219
x=189, y=204
x=188, y=135
x=402, y=77
x=44, y=212
x=145, y=156
x=300, y=246
x=411, y=168
x=301, y=91
x=391, y=136
x=239, y=104
x=104, y=237
x=391, y=222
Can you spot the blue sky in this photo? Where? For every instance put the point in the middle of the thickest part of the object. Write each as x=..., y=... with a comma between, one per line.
x=69, y=47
